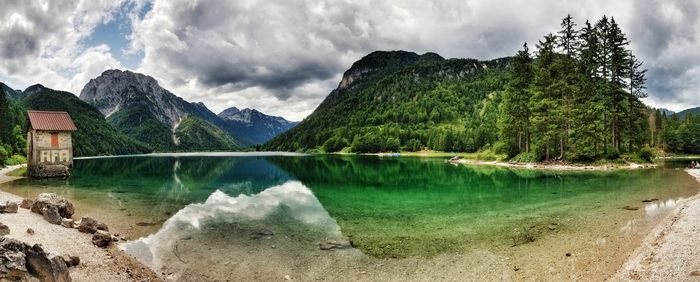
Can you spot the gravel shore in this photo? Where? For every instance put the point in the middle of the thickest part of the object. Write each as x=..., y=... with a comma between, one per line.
x=96, y=264
x=671, y=252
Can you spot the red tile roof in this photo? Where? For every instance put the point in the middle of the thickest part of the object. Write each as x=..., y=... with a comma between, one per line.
x=55, y=121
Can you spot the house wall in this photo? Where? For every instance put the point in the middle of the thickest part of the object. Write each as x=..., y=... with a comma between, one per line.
x=41, y=151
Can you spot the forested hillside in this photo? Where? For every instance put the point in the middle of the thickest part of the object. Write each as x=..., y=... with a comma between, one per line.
x=577, y=97
x=426, y=101
x=94, y=136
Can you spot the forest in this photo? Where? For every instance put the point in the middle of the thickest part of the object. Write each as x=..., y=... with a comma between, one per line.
x=577, y=97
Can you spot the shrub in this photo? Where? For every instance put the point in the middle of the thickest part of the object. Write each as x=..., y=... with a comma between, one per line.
x=647, y=154
x=525, y=157
x=16, y=160
x=3, y=155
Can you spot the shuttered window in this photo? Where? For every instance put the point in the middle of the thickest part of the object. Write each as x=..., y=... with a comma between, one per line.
x=54, y=140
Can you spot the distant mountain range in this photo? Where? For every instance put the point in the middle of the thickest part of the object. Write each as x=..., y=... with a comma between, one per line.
x=137, y=105
x=135, y=114
x=253, y=126
x=694, y=111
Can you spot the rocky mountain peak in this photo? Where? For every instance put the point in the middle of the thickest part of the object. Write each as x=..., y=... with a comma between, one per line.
x=117, y=89
x=383, y=61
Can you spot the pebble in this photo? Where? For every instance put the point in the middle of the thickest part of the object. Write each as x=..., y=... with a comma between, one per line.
x=30, y=231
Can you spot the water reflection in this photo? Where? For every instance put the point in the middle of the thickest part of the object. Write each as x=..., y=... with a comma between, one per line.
x=289, y=210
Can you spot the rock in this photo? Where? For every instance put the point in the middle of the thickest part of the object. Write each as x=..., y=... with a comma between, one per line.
x=71, y=260
x=30, y=231
x=18, y=260
x=101, y=239
x=552, y=227
x=568, y=254
x=87, y=225
x=51, y=214
x=333, y=244
x=65, y=208
x=9, y=207
x=4, y=229
x=26, y=204
x=629, y=208
x=46, y=268
x=650, y=200
x=67, y=222
x=13, y=261
x=102, y=226
x=262, y=234
x=287, y=278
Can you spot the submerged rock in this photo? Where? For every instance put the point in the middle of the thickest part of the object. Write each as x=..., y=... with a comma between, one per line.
x=65, y=208
x=630, y=208
x=4, y=229
x=8, y=207
x=102, y=239
x=335, y=244
x=51, y=214
x=262, y=234
x=26, y=204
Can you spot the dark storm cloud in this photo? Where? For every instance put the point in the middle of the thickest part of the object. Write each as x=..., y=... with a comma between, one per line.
x=665, y=35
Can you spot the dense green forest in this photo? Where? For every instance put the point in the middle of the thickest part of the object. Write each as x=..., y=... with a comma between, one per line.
x=577, y=97
x=94, y=136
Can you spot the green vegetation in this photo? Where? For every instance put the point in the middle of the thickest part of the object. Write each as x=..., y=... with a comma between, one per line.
x=198, y=135
x=576, y=99
x=677, y=134
x=137, y=122
x=20, y=172
x=444, y=105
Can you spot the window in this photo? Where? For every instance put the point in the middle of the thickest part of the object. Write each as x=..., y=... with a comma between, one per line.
x=54, y=140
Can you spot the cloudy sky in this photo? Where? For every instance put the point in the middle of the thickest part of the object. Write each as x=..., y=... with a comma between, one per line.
x=284, y=56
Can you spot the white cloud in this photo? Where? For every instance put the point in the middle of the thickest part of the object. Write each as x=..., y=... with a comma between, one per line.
x=284, y=56
x=41, y=42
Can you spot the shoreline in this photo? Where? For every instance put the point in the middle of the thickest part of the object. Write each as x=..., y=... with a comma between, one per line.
x=553, y=167
x=96, y=264
x=670, y=251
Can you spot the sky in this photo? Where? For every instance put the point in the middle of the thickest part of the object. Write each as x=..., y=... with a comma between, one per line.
x=283, y=57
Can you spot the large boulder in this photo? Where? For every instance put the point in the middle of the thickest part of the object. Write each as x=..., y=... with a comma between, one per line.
x=9, y=207
x=102, y=239
x=13, y=261
x=51, y=214
x=64, y=207
x=46, y=268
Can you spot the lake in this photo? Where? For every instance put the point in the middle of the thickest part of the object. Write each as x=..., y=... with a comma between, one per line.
x=247, y=216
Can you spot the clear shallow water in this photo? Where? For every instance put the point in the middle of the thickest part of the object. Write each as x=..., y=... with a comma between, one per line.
x=194, y=217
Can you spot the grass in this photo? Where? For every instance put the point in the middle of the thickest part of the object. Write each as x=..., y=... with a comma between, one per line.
x=20, y=172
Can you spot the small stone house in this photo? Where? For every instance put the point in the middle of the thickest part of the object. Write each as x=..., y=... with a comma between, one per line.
x=50, y=152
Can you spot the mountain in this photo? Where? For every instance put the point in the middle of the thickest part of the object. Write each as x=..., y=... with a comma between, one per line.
x=137, y=105
x=11, y=94
x=693, y=111
x=253, y=126
x=392, y=100
x=666, y=112
x=94, y=136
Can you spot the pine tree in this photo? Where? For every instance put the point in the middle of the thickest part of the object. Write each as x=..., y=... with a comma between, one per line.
x=544, y=103
x=514, y=118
